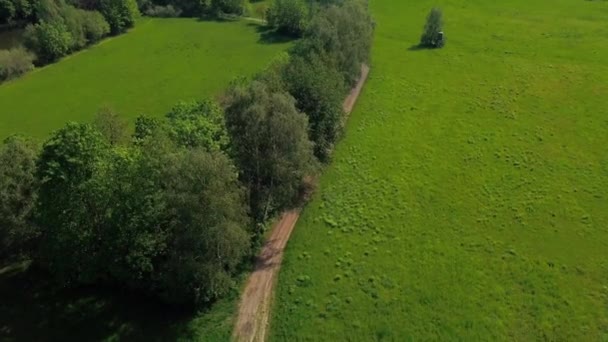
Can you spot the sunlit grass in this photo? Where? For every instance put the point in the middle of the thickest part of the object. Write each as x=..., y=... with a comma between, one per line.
x=469, y=197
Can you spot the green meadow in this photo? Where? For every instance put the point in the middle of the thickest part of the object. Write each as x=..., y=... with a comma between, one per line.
x=148, y=70
x=468, y=199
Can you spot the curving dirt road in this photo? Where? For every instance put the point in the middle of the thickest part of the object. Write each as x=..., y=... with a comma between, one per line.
x=254, y=309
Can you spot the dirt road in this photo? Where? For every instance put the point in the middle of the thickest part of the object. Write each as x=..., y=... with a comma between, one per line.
x=254, y=309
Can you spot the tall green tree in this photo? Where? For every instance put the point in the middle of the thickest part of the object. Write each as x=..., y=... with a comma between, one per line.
x=120, y=14
x=270, y=144
x=111, y=126
x=319, y=92
x=67, y=211
x=431, y=36
x=208, y=234
x=49, y=40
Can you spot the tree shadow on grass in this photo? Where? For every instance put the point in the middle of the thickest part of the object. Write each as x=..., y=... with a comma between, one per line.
x=418, y=47
x=30, y=310
x=269, y=35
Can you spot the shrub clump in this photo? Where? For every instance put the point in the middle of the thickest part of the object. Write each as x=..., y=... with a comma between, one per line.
x=235, y=7
x=163, y=11
x=120, y=14
x=15, y=62
x=433, y=30
x=49, y=40
x=288, y=16
x=63, y=29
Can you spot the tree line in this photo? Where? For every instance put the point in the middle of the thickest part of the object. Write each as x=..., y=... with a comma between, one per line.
x=55, y=28
x=174, y=206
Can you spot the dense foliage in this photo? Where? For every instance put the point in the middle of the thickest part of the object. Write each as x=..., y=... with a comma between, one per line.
x=270, y=145
x=16, y=10
x=341, y=35
x=227, y=6
x=18, y=186
x=198, y=124
x=120, y=14
x=62, y=28
x=15, y=62
x=174, y=207
x=288, y=16
x=49, y=40
x=319, y=92
x=55, y=28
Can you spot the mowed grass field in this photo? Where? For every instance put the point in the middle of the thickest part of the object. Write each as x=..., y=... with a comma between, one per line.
x=468, y=199
x=148, y=70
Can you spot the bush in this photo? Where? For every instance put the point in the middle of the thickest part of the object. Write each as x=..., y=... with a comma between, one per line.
x=432, y=35
x=111, y=126
x=288, y=16
x=15, y=62
x=95, y=26
x=74, y=22
x=49, y=40
x=227, y=6
x=120, y=14
x=189, y=8
x=18, y=191
x=163, y=12
x=85, y=27
x=47, y=10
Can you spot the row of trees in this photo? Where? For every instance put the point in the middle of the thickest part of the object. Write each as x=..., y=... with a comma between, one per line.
x=192, y=8
x=173, y=207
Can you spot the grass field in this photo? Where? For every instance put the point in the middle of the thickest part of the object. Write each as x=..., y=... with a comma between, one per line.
x=146, y=71
x=468, y=199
